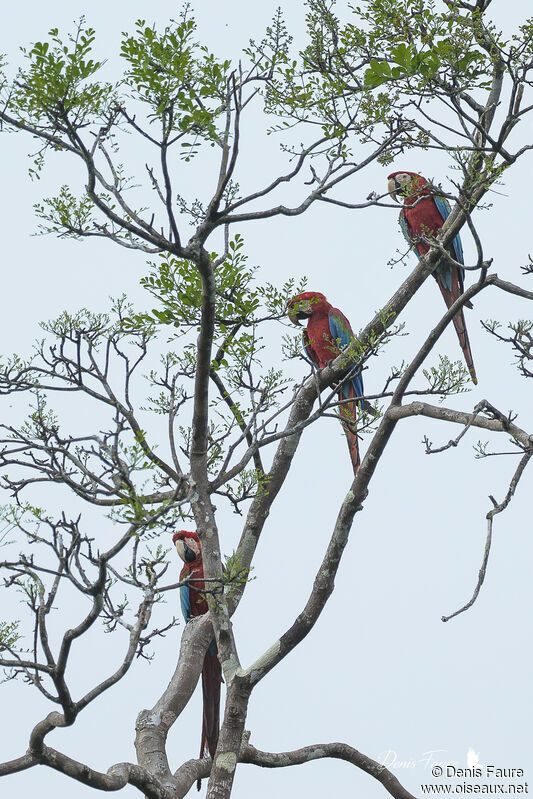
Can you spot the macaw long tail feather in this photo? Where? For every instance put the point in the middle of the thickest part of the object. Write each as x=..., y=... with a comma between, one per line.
x=460, y=328
x=211, y=680
x=348, y=412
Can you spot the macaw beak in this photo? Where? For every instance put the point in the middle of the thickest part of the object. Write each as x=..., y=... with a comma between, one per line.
x=393, y=189
x=190, y=554
x=293, y=316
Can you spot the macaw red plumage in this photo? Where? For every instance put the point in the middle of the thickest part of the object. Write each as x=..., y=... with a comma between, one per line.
x=193, y=603
x=423, y=214
x=328, y=333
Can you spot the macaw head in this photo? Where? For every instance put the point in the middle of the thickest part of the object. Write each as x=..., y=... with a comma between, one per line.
x=187, y=545
x=303, y=305
x=406, y=184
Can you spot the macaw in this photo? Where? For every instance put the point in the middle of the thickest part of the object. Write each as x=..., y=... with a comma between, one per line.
x=328, y=333
x=193, y=603
x=424, y=213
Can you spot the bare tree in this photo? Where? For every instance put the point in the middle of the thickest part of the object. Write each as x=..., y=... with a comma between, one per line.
x=385, y=81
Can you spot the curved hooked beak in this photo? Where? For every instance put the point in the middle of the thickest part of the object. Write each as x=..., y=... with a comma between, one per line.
x=292, y=313
x=393, y=189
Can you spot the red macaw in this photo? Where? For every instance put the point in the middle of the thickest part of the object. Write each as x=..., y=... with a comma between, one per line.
x=328, y=333
x=193, y=603
x=422, y=214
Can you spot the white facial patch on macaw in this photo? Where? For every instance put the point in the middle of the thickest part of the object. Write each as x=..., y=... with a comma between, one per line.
x=190, y=543
x=298, y=309
x=304, y=306
x=398, y=183
x=403, y=178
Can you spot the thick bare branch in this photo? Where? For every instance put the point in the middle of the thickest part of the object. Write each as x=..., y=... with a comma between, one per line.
x=338, y=751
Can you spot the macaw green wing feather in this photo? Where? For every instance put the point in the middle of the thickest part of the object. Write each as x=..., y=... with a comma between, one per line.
x=340, y=329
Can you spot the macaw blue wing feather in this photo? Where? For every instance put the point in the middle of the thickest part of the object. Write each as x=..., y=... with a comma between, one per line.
x=357, y=383
x=185, y=600
x=340, y=329
x=458, y=247
x=342, y=332
x=444, y=209
x=443, y=206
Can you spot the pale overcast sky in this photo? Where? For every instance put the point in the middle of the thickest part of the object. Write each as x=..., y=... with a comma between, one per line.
x=380, y=671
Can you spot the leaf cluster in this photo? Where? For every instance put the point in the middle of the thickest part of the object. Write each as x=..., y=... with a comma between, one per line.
x=181, y=82
x=447, y=378
x=9, y=634
x=56, y=85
